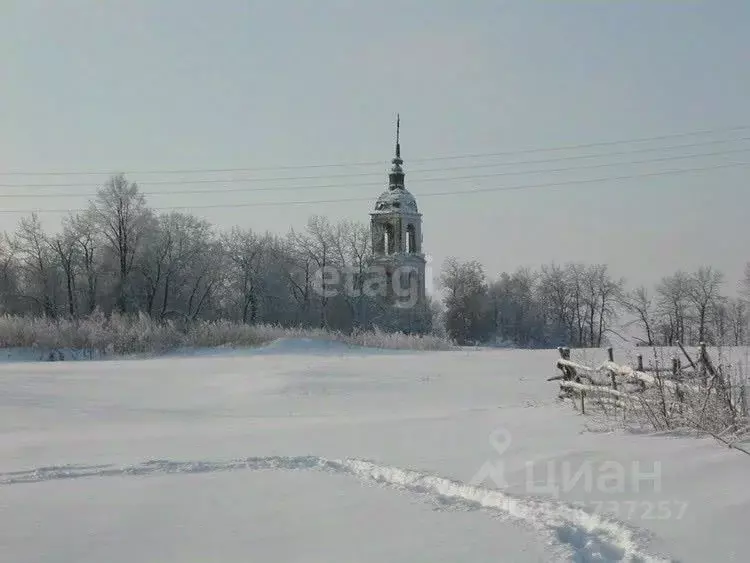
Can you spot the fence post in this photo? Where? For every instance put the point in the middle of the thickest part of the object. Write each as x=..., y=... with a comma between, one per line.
x=565, y=355
x=568, y=373
x=706, y=365
x=640, y=368
x=677, y=376
x=689, y=359
x=611, y=356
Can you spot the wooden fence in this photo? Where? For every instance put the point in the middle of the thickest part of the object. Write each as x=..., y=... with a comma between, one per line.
x=622, y=385
x=698, y=394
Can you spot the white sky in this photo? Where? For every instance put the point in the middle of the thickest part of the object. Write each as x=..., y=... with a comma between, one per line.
x=105, y=86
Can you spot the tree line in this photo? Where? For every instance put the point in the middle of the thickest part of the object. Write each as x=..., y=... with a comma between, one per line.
x=583, y=305
x=120, y=256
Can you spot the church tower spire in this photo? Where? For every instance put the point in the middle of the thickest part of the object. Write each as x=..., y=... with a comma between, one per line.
x=398, y=131
x=396, y=176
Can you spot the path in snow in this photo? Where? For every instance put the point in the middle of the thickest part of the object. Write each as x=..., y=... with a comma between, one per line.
x=590, y=537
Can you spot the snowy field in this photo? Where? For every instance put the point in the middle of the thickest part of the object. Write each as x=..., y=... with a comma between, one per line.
x=315, y=452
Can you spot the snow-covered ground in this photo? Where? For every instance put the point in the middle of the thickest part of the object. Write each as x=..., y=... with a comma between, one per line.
x=307, y=451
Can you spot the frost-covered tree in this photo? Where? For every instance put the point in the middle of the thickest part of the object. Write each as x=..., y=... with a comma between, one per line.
x=737, y=317
x=674, y=307
x=316, y=247
x=557, y=304
x=642, y=305
x=66, y=248
x=9, y=277
x=171, y=252
x=465, y=301
x=245, y=276
x=82, y=229
x=37, y=267
x=704, y=287
x=603, y=295
x=352, y=249
x=124, y=221
x=516, y=310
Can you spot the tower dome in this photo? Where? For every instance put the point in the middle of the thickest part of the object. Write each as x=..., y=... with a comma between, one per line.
x=399, y=199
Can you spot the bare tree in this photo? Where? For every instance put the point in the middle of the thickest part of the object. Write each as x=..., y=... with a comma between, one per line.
x=120, y=212
x=170, y=251
x=575, y=276
x=674, y=307
x=317, y=244
x=738, y=320
x=640, y=303
x=35, y=259
x=67, y=249
x=244, y=250
x=515, y=312
x=351, y=243
x=9, y=275
x=557, y=302
x=82, y=229
x=204, y=275
x=466, y=300
x=601, y=297
x=299, y=269
x=704, y=288
x=745, y=283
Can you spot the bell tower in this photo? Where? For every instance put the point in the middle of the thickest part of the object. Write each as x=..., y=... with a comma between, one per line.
x=396, y=229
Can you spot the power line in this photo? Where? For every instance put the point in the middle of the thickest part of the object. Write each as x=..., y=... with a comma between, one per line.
x=379, y=162
x=423, y=180
x=428, y=194
x=445, y=169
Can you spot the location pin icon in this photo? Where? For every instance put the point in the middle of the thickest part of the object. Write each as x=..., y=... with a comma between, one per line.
x=500, y=440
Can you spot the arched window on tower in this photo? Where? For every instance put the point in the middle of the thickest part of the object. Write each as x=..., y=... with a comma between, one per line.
x=411, y=239
x=378, y=239
x=390, y=239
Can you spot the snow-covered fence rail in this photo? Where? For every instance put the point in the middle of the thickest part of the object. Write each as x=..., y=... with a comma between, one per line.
x=602, y=381
x=701, y=395
x=615, y=375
